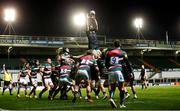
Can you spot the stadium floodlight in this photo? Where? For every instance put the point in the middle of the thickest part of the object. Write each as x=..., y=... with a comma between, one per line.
x=138, y=23
x=9, y=15
x=80, y=19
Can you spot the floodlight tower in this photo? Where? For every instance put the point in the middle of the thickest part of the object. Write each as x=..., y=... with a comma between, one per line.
x=138, y=23
x=80, y=21
x=9, y=18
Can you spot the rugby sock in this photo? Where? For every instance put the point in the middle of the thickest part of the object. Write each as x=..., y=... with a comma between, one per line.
x=56, y=92
x=126, y=93
x=18, y=90
x=34, y=91
x=104, y=92
x=121, y=97
x=51, y=92
x=40, y=94
x=31, y=92
x=142, y=86
x=79, y=92
x=112, y=90
x=111, y=93
x=10, y=91
x=133, y=91
x=4, y=88
x=97, y=91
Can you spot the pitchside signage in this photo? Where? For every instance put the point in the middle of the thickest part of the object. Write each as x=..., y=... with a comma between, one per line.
x=7, y=41
x=3, y=41
x=142, y=45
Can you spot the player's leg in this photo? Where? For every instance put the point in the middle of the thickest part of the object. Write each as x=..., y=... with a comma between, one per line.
x=94, y=88
x=112, y=87
x=127, y=95
x=20, y=82
x=142, y=83
x=25, y=86
x=80, y=93
x=10, y=88
x=80, y=75
x=121, y=89
x=101, y=87
x=56, y=86
x=45, y=87
x=133, y=89
x=88, y=90
x=31, y=81
x=95, y=41
x=120, y=80
x=145, y=84
x=18, y=92
x=5, y=86
x=57, y=90
x=33, y=91
x=51, y=90
x=64, y=92
x=25, y=90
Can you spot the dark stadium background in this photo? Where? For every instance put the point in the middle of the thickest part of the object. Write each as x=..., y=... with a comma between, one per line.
x=54, y=17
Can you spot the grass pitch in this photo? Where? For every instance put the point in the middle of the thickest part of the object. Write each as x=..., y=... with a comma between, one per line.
x=153, y=98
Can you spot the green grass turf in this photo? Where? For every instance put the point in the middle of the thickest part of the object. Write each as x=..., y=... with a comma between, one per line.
x=153, y=98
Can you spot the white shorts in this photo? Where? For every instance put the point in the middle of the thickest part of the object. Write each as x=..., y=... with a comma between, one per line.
x=101, y=81
x=48, y=81
x=115, y=76
x=23, y=81
x=82, y=75
x=65, y=81
x=34, y=81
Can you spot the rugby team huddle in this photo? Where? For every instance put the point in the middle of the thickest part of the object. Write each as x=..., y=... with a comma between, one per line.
x=88, y=70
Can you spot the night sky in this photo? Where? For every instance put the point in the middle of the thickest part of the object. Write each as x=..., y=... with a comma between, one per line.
x=115, y=17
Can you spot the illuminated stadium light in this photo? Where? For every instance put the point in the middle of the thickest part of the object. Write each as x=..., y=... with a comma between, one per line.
x=138, y=23
x=80, y=19
x=9, y=15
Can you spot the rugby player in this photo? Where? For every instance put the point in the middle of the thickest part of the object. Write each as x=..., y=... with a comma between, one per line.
x=46, y=71
x=143, y=77
x=64, y=76
x=96, y=78
x=129, y=79
x=113, y=62
x=68, y=58
x=91, y=29
x=55, y=75
x=83, y=73
x=21, y=78
x=35, y=69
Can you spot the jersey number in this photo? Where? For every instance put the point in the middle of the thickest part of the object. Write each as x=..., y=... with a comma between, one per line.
x=63, y=71
x=85, y=62
x=114, y=60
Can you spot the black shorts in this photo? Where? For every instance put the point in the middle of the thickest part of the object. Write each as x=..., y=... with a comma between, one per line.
x=142, y=79
x=7, y=83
